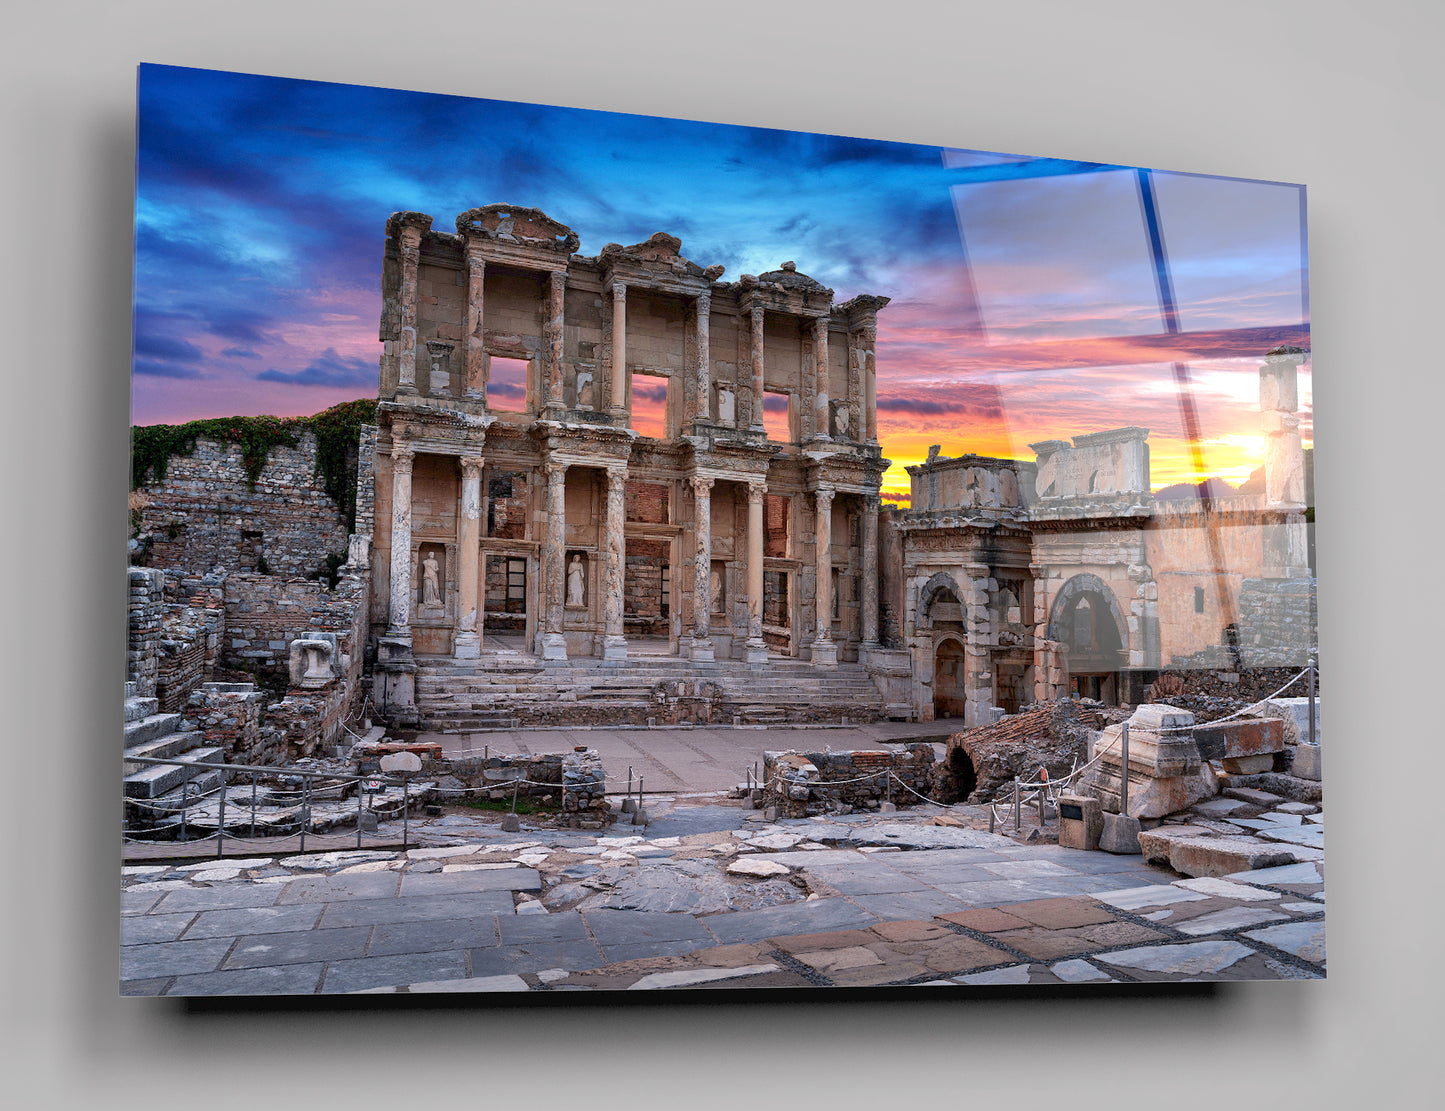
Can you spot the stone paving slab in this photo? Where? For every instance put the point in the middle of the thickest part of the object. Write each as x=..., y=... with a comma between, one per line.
x=151, y=928
x=565, y=926
x=532, y=955
x=915, y=904
x=626, y=927
x=432, y=936
x=229, y=897
x=298, y=947
x=459, y=883
x=330, y=889
x=417, y=908
x=1305, y=940
x=1000, y=892
x=288, y=979
x=754, y=925
x=410, y=968
x=172, y=958
x=255, y=920
x=1232, y=918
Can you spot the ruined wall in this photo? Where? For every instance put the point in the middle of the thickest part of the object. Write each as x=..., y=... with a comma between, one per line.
x=193, y=626
x=1099, y=464
x=803, y=783
x=203, y=514
x=145, y=600
x=230, y=715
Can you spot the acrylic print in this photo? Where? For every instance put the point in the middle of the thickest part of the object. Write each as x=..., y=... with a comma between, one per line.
x=575, y=551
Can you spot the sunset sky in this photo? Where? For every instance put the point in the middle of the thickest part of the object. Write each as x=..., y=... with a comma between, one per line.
x=1026, y=304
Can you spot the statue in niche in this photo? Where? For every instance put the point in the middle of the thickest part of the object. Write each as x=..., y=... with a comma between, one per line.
x=584, y=389
x=727, y=405
x=576, y=582
x=840, y=421
x=431, y=589
x=715, y=591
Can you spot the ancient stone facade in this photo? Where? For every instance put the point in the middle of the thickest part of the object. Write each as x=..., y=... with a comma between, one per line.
x=1025, y=581
x=596, y=456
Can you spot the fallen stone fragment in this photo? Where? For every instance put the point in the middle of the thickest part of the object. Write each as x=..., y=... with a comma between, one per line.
x=749, y=867
x=1225, y=889
x=1186, y=852
x=682, y=977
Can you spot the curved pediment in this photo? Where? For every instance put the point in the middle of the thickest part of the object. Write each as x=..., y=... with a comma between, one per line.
x=529, y=226
x=659, y=250
x=791, y=278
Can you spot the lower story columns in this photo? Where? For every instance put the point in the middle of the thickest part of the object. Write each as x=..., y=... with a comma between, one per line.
x=702, y=571
x=554, y=642
x=614, y=642
x=825, y=652
x=757, y=650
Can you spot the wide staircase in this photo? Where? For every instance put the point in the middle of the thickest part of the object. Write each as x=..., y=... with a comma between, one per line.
x=509, y=692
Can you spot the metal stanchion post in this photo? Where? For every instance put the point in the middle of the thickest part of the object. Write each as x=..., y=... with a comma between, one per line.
x=1018, y=818
x=253, y=805
x=221, y=825
x=1124, y=775
x=406, y=806
x=1312, y=701
x=360, y=795
x=305, y=811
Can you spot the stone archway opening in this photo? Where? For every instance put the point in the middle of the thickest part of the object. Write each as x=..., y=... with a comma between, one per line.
x=961, y=772
x=949, y=699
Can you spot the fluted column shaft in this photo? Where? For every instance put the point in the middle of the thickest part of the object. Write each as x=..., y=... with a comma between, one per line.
x=821, y=424
x=410, y=260
x=554, y=643
x=758, y=392
x=468, y=640
x=399, y=610
x=825, y=653
x=702, y=569
x=618, y=399
x=475, y=385
x=552, y=335
x=757, y=651
x=869, y=619
x=702, y=380
x=614, y=642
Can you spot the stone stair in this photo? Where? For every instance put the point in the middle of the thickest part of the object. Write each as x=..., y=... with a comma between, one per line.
x=153, y=791
x=510, y=692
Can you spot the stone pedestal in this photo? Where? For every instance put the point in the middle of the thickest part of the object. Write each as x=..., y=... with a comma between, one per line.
x=1081, y=822
x=1307, y=763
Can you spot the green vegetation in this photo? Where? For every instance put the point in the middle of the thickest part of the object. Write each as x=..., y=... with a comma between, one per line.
x=336, y=430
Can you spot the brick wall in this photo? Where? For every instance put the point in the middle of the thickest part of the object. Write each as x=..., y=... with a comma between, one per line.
x=800, y=784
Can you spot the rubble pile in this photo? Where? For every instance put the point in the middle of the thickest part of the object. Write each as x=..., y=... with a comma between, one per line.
x=1213, y=694
x=1052, y=735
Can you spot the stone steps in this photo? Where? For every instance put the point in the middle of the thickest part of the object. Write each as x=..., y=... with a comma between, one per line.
x=170, y=745
x=150, y=727
x=153, y=780
x=137, y=708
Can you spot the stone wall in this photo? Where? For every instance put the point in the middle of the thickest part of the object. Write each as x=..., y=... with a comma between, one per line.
x=1277, y=622
x=146, y=599
x=203, y=514
x=804, y=783
x=576, y=779
x=229, y=715
x=193, y=625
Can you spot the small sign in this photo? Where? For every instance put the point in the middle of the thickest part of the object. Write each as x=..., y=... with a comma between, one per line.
x=372, y=785
x=1071, y=810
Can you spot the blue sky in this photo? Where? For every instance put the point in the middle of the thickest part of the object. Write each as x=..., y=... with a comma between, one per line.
x=1018, y=303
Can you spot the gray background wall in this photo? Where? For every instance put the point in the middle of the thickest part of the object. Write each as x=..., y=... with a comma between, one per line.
x=1343, y=96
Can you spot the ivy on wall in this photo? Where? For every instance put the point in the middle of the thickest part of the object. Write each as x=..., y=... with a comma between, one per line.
x=336, y=430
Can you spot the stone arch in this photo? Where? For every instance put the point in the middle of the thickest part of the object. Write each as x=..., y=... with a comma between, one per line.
x=1071, y=593
x=940, y=580
x=950, y=695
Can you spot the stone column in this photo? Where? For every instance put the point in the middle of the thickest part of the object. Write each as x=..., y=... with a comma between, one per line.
x=757, y=650
x=702, y=570
x=869, y=618
x=758, y=394
x=825, y=652
x=870, y=380
x=554, y=557
x=702, y=380
x=617, y=402
x=475, y=386
x=614, y=642
x=398, y=625
x=410, y=258
x=1286, y=539
x=821, y=422
x=552, y=336
x=468, y=645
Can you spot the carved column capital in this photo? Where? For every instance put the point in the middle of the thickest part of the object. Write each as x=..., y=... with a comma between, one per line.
x=619, y=291
x=402, y=457
x=704, y=302
x=616, y=476
x=701, y=486
x=757, y=491
x=824, y=496
x=472, y=466
x=556, y=474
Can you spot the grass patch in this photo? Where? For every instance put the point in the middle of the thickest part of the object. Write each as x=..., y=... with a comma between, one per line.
x=524, y=805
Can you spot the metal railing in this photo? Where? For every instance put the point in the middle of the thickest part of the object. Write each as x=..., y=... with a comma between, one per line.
x=365, y=786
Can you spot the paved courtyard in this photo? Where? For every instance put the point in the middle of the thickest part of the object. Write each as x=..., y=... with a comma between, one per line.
x=707, y=895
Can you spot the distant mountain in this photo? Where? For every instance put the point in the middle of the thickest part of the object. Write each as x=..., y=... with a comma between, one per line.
x=1209, y=488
